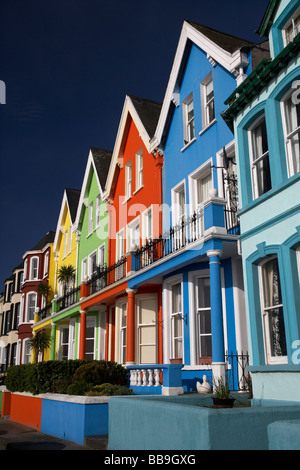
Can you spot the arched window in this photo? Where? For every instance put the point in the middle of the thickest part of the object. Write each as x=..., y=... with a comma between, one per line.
x=272, y=311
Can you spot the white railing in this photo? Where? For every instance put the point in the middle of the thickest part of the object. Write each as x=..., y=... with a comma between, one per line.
x=145, y=377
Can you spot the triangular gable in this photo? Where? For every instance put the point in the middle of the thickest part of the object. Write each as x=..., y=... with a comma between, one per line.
x=69, y=203
x=144, y=114
x=231, y=56
x=98, y=162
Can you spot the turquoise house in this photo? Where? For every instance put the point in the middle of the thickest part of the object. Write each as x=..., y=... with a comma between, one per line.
x=264, y=113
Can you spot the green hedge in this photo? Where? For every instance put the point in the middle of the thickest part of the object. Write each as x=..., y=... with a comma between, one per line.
x=57, y=376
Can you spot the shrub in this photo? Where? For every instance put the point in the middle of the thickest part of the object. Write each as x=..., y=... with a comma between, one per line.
x=99, y=372
x=41, y=377
x=58, y=376
x=107, y=389
x=78, y=387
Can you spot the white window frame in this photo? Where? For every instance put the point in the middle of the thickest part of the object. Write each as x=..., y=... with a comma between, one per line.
x=200, y=173
x=65, y=243
x=122, y=332
x=167, y=314
x=120, y=244
x=72, y=338
x=46, y=264
x=26, y=351
x=27, y=315
x=84, y=271
x=128, y=180
x=205, y=102
x=147, y=225
x=25, y=270
x=98, y=208
x=61, y=343
x=295, y=25
x=265, y=317
x=255, y=161
x=201, y=334
x=90, y=263
x=289, y=135
x=139, y=170
x=139, y=299
x=298, y=261
x=177, y=213
x=91, y=322
x=31, y=273
x=70, y=240
x=101, y=255
x=90, y=219
x=133, y=242
x=188, y=123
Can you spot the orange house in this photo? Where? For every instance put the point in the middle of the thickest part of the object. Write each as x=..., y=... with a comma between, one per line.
x=134, y=196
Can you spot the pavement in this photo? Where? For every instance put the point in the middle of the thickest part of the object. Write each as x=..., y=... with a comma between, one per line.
x=15, y=436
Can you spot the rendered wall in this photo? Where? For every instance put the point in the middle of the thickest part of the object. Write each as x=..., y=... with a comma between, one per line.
x=180, y=423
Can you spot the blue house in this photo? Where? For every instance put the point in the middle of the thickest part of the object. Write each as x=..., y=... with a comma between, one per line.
x=264, y=113
x=196, y=259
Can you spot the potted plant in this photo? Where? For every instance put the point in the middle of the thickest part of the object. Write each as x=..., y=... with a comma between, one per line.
x=221, y=396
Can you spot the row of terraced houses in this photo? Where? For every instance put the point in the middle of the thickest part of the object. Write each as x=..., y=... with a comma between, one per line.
x=185, y=237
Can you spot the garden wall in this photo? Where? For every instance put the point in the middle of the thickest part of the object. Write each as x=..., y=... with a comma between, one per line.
x=67, y=417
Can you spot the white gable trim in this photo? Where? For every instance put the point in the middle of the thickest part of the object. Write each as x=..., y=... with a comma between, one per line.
x=117, y=160
x=59, y=228
x=234, y=63
x=82, y=198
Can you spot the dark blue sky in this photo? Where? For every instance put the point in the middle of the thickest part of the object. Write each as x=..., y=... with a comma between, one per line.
x=67, y=66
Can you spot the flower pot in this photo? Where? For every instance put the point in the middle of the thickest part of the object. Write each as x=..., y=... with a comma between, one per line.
x=223, y=402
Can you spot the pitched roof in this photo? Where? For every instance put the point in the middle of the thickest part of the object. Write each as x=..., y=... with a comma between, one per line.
x=48, y=238
x=224, y=49
x=148, y=112
x=73, y=199
x=102, y=159
x=226, y=41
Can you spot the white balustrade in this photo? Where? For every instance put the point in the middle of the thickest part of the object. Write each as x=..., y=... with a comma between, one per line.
x=145, y=377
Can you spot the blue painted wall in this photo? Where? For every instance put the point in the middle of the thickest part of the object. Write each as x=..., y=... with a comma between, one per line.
x=73, y=421
x=179, y=164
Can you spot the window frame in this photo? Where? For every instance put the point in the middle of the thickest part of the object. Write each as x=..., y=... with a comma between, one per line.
x=131, y=226
x=291, y=22
x=98, y=208
x=128, y=180
x=198, y=310
x=27, y=315
x=139, y=176
x=178, y=215
x=90, y=218
x=288, y=136
x=140, y=326
x=205, y=102
x=31, y=270
x=255, y=161
x=188, y=136
x=265, y=316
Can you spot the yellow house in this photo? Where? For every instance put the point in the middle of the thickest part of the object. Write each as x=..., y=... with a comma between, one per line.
x=65, y=244
x=64, y=253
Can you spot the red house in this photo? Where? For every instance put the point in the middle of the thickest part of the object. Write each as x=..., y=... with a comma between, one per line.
x=134, y=196
x=37, y=262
